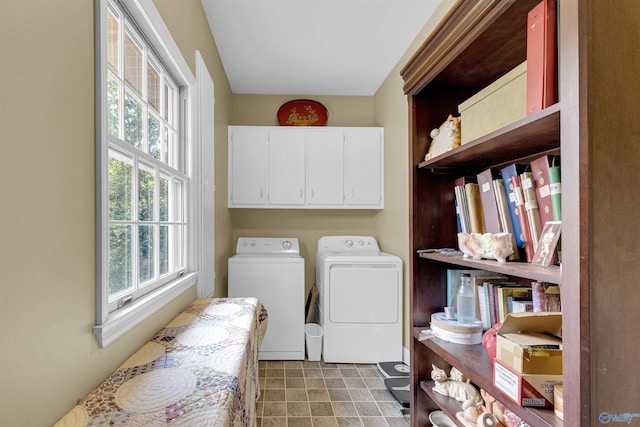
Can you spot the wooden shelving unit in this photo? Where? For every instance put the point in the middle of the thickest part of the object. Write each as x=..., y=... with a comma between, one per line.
x=594, y=127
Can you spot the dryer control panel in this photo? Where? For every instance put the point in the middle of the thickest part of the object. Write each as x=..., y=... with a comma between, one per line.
x=349, y=244
x=268, y=245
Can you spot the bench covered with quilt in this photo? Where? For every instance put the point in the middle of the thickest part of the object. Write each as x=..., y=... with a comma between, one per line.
x=200, y=370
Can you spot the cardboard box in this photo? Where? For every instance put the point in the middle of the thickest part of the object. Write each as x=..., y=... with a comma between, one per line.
x=525, y=389
x=499, y=104
x=528, y=343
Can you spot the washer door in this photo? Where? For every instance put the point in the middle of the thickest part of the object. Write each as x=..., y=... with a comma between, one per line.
x=364, y=294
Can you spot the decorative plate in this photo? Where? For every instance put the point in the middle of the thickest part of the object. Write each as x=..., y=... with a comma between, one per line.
x=302, y=112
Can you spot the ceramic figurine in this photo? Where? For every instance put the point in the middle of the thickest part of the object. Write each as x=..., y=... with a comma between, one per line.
x=444, y=138
x=496, y=246
x=458, y=390
x=456, y=375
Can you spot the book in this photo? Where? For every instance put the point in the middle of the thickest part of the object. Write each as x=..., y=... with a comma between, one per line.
x=474, y=204
x=531, y=207
x=458, y=219
x=481, y=300
x=555, y=188
x=463, y=211
x=523, y=219
x=522, y=306
x=461, y=199
x=490, y=214
x=505, y=216
x=541, y=182
x=506, y=297
x=541, y=56
x=545, y=297
x=507, y=174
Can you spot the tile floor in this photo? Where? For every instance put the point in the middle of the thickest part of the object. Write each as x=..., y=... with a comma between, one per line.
x=318, y=394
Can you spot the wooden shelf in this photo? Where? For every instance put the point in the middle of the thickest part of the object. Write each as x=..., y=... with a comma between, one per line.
x=473, y=362
x=551, y=274
x=531, y=136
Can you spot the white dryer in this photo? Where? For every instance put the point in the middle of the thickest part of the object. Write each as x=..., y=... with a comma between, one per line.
x=272, y=270
x=359, y=301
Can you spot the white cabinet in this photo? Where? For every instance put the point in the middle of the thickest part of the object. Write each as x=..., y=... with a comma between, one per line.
x=311, y=167
x=325, y=168
x=286, y=167
x=364, y=169
x=248, y=167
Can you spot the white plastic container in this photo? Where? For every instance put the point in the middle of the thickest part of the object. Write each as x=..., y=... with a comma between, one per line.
x=313, y=333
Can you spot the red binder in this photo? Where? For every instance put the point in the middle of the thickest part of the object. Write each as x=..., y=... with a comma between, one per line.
x=540, y=172
x=542, y=55
x=541, y=183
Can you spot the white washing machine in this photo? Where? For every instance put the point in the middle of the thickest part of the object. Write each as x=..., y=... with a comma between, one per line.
x=359, y=301
x=272, y=270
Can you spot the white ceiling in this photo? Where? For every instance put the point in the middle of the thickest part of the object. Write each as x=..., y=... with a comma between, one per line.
x=313, y=47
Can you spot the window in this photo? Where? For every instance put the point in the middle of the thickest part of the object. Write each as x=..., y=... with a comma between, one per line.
x=146, y=226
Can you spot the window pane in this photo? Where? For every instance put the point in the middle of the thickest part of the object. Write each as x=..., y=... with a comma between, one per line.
x=146, y=185
x=178, y=214
x=153, y=87
x=145, y=253
x=120, y=190
x=120, y=258
x=164, y=249
x=180, y=244
x=133, y=125
x=113, y=43
x=113, y=108
x=155, y=143
x=132, y=64
x=165, y=146
x=172, y=156
x=164, y=199
x=168, y=100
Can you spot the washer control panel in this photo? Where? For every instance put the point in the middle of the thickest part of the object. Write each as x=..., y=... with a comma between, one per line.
x=348, y=244
x=268, y=245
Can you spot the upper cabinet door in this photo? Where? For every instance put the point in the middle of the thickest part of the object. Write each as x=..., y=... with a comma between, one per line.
x=365, y=176
x=247, y=166
x=305, y=167
x=287, y=167
x=325, y=167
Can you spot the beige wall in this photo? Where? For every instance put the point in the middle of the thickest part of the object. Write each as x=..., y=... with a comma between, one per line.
x=48, y=357
x=306, y=225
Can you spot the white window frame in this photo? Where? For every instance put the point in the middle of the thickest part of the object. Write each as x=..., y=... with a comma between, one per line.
x=111, y=325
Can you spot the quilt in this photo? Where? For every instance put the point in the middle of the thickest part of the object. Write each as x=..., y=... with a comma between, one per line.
x=200, y=370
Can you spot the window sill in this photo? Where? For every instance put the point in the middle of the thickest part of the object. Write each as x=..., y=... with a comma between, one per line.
x=121, y=321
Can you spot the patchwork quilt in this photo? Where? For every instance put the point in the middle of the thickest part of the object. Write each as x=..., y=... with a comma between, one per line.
x=200, y=370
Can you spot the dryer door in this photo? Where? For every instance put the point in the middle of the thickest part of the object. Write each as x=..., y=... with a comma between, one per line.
x=364, y=293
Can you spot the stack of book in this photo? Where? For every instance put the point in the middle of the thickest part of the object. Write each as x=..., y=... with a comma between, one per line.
x=496, y=296
x=518, y=199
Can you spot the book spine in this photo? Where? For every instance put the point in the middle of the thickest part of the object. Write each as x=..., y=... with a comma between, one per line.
x=523, y=219
x=489, y=204
x=531, y=206
x=505, y=216
x=541, y=56
x=475, y=208
x=507, y=174
x=545, y=297
x=555, y=188
x=541, y=183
